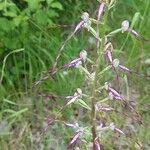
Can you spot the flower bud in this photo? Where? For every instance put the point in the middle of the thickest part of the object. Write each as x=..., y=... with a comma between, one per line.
x=115, y=63
x=112, y=126
x=85, y=17
x=79, y=26
x=107, y=85
x=125, y=25
x=79, y=91
x=83, y=55
x=100, y=10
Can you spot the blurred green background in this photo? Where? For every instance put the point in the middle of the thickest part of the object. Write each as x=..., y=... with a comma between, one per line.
x=31, y=33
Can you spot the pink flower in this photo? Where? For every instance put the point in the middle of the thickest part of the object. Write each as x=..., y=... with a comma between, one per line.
x=83, y=55
x=119, y=131
x=79, y=26
x=125, y=25
x=113, y=62
x=108, y=51
x=102, y=108
x=113, y=127
x=74, y=64
x=74, y=140
x=75, y=126
x=78, y=61
x=72, y=99
x=113, y=93
x=124, y=68
x=97, y=145
x=100, y=11
x=85, y=22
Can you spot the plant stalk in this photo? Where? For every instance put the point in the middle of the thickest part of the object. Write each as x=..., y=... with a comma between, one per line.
x=96, y=84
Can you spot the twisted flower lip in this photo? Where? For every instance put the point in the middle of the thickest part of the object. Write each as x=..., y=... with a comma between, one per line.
x=78, y=61
x=74, y=64
x=125, y=27
x=72, y=99
x=113, y=93
x=79, y=26
x=100, y=11
x=114, y=62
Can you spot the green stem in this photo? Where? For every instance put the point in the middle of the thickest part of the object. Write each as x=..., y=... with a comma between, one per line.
x=95, y=83
x=4, y=62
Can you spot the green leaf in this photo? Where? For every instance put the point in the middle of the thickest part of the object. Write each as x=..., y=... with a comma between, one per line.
x=49, y=1
x=18, y=113
x=104, y=70
x=135, y=19
x=9, y=111
x=52, y=13
x=9, y=102
x=19, y=19
x=5, y=24
x=11, y=11
x=57, y=5
x=4, y=62
x=33, y=4
x=10, y=14
x=41, y=17
x=11, y=42
x=83, y=104
x=2, y=6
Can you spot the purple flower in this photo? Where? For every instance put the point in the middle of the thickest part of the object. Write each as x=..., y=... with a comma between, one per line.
x=74, y=64
x=113, y=93
x=113, y=96
x=83, y=55
x=100, y=107
x=113, y=62
x=78, y=61
x=119, y=131
x=72, y=99
x=125, y=25
x=74, y=140
x=113, y=127
x=75, y=126
x=53, y=71
x=108, y=51
x=85, y=22
x=100, y=11
x=124, y=68
x=97, y=145
x=109, y=55
x=79, y=26
x=126, y=28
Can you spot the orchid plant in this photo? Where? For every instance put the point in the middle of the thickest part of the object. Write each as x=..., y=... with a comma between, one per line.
x=104, y=51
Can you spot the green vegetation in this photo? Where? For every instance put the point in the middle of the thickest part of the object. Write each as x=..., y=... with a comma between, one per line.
x=31, y=33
